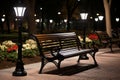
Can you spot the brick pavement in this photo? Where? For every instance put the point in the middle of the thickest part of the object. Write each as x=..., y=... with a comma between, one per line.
x=108, y=69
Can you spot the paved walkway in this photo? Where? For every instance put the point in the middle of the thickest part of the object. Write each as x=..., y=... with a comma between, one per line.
x=108, y=69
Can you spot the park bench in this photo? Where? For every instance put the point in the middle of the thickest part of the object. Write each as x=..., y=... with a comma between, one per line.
x=107, y=41
x=58, y=46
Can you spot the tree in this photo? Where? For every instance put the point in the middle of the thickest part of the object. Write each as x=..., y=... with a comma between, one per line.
x=30, y=17
x=107, y=5
x=71, y=6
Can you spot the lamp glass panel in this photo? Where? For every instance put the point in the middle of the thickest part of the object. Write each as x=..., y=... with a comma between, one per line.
x=100, y=18
x=19, y=11
x=83, y=16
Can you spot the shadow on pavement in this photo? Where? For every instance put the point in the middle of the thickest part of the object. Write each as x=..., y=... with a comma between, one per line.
x=71, y=70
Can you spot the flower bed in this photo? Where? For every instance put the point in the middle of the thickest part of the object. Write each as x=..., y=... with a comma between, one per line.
x=90, y=39
x=9, y=50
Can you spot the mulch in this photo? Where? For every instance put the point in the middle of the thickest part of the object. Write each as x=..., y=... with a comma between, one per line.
x=27, y=60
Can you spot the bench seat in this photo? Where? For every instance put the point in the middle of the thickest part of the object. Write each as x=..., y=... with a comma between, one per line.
x=73, y=52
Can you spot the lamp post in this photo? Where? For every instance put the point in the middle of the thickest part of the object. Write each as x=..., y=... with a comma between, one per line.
x=2, y=19
x=117, y=19
x=100, y=18
x=84, y=18
x=100, y=21
x=117, y=24
x=59, y=13
x=65, y=23
x=19, y=11
x=41, y=30
x=2, y=27
x=95, y=28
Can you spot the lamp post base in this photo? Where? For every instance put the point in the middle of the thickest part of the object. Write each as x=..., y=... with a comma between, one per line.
x=19, y=73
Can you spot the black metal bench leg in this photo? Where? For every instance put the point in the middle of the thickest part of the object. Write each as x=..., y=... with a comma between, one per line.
x=78, y=59
x=55, y=63
x=58, y=66
x=93, y=56
x=43, y=63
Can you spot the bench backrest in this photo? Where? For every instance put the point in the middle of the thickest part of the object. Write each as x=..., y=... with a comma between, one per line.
x=61, y=40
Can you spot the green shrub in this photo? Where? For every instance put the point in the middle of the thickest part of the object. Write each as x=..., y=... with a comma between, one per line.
x=12, y=56
x=30, y=53
x=2, y=55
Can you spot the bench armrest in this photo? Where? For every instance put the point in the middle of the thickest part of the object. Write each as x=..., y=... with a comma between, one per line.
x=53, y=50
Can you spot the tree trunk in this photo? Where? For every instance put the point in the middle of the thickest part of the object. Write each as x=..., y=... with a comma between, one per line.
x=108, y=16
x=30, y=16
x=71, y=6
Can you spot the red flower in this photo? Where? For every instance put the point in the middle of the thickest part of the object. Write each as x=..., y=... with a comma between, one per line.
x=93, y=36
x=9, y=50
x=12, y=48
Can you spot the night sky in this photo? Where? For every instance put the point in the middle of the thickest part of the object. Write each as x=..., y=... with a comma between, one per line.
x=53, y=5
